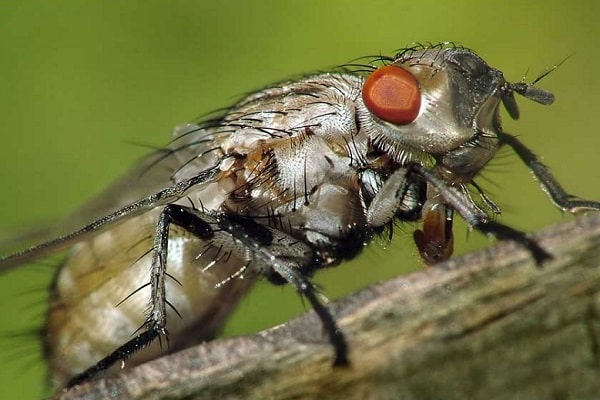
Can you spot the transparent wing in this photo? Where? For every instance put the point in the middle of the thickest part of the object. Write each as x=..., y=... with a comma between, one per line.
x=152, y=174
x=190, y=153
x=155, y=181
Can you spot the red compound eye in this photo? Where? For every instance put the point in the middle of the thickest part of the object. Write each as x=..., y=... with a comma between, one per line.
x=392, y=94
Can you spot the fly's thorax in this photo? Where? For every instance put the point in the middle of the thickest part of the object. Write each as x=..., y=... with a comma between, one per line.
x=100, y=295
x=321, y=105
x=277, y=145
x=305, y=186
x=291, y=159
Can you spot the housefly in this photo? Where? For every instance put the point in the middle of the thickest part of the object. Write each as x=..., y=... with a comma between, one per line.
x=293, y=178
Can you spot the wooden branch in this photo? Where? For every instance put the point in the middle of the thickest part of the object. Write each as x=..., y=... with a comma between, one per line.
x=488, y=325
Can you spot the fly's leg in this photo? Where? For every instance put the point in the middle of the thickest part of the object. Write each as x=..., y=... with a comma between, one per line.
x=264, y=249
x=477, y=218
x=388, y=199
x=436, y=241
x=550, y=185
x=336, y=336
x=156, y=321
x=281, y=259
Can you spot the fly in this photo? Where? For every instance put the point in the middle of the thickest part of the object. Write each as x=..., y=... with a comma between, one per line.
x=293, y=178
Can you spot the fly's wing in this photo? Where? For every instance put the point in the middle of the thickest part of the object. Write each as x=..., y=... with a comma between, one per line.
x=155, y=181
x=152, y=174
x=137, y=184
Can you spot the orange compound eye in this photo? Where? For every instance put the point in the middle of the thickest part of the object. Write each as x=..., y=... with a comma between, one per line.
x=392, y=94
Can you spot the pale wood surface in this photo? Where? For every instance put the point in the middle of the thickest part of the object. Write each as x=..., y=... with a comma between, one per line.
x=489, y=325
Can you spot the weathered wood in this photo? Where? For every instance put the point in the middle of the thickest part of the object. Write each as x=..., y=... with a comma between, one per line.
x=489, y=325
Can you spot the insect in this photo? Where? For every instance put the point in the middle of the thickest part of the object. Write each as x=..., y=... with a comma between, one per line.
x=293, y=178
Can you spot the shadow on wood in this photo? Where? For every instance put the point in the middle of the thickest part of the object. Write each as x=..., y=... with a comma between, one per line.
x=488, y=325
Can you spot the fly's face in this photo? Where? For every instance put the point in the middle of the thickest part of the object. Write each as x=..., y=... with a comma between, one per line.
x=452, y=114
x=440, y=106
x=293, y=178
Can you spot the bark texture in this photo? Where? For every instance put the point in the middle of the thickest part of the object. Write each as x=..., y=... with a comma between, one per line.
x=489, y=325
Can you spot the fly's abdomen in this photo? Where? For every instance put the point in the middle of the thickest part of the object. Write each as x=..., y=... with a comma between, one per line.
x=101, y=295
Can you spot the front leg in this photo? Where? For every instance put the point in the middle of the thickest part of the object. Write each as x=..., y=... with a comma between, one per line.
x=550, y=185
x=403, y=195
x=476, y=218
x=435, y=242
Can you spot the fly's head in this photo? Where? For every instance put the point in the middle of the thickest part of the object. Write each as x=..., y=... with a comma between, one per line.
x=442, y=103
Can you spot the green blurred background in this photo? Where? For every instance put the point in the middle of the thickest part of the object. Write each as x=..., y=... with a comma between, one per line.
x=78, y=80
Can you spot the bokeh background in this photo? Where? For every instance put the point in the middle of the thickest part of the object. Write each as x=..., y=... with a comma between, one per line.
x=79, y=81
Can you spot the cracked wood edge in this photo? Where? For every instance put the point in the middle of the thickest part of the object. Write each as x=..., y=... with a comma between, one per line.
x=488, y=325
